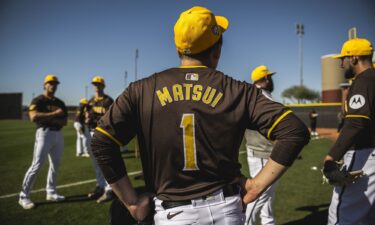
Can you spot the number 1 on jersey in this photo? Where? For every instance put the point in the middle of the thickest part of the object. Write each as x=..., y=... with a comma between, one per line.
x=190, y=152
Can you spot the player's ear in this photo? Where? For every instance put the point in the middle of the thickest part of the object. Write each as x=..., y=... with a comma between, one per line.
x=354, y=60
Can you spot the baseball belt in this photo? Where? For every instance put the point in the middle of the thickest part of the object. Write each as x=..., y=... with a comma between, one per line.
x=228, y=190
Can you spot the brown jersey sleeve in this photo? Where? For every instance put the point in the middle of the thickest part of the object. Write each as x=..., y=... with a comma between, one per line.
x=279, y=124
x=105, y=144
x=359, y=130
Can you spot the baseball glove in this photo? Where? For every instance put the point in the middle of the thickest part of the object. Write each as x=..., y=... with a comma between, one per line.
x=335, y=174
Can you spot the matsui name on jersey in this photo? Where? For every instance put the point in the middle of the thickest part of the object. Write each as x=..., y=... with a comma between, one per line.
x=189, y=92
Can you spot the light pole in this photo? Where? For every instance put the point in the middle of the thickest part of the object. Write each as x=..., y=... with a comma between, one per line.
x=136, y=62
x=136, y=147
x=126, y=79
x=300, y=32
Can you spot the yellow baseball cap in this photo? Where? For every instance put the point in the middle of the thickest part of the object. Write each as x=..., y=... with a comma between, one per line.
x=98, y=80
x=83, y=101
x=260, y=72
x=51, y=79
x=356, y=46
x=197, y=29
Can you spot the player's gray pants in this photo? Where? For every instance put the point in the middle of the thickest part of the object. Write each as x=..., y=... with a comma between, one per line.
x=215, y=210
x=47, y=144
x=354, y=203
x=82, y=142
x=100, y=180
x=263, y=205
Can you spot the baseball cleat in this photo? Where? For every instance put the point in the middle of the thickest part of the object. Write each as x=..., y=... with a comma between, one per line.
x=85, y=155
x=26, y=203
x=107, y=196
x=55, y=197
x=97, y=193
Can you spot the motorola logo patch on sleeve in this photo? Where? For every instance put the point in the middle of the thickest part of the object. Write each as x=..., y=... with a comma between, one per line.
x=356, y=101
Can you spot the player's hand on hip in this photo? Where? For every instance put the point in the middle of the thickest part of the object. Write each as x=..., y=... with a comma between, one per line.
x=252, y=191
x=141, y=209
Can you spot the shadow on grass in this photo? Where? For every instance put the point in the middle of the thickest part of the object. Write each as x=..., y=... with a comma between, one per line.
x=318, y=216
x=68, y=199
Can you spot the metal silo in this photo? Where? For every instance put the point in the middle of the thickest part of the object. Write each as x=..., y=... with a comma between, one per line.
x=332, y=77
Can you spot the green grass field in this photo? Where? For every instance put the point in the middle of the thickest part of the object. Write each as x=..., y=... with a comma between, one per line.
x=300, y=198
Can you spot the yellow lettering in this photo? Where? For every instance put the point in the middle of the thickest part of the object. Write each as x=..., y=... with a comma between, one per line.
x=197, y=92
x=178, y=94
x=187, y=90
x=208, y=95
x=190, y=152
x=164, y=96
x=217, y=99
x=99, y=109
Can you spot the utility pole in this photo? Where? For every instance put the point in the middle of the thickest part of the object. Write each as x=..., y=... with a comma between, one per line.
x=136, y=65
x=300, y=32
x=136, y=146
x=126, y=79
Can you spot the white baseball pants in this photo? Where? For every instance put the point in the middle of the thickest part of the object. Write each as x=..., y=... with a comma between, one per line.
x=47, y=143
x=261, y=207
x=82, y=142
x=354, y=203
x=215, y=210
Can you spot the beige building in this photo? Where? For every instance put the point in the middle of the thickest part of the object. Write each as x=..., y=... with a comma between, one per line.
x=332, y=77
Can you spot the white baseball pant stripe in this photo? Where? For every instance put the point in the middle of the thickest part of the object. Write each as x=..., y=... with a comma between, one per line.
x=354, y=203
x=100, y=180
x=263, y=205
x=47, y=144
x=214, y=210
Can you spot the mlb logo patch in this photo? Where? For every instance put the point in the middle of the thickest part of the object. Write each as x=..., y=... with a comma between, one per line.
x=192, y=76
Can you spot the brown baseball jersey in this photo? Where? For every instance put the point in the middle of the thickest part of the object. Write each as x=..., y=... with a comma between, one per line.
x=46, y=104
x=190, y=122
x=80, y=114
x=359, y=127
x=96, y=108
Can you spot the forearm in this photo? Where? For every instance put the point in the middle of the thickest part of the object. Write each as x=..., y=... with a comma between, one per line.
x=41, y=116
x=109, y=159
x=270, y=173
x=125, y=191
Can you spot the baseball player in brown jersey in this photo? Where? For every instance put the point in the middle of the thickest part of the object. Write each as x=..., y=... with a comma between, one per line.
x=353, y=197
x=50, y=115
x=83, y=133
x=96, y=108
x=190, y=121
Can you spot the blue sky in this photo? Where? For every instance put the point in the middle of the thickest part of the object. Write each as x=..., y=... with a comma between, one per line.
x=76, y=39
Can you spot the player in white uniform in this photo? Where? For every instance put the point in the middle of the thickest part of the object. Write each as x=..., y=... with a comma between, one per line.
x=50, y=115
x=83, y=133
x=259, y=150
x=353, y=202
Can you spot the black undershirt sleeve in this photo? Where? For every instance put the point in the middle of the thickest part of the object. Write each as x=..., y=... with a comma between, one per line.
x=108, y=156
x=291, y=135
x=349, y=133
